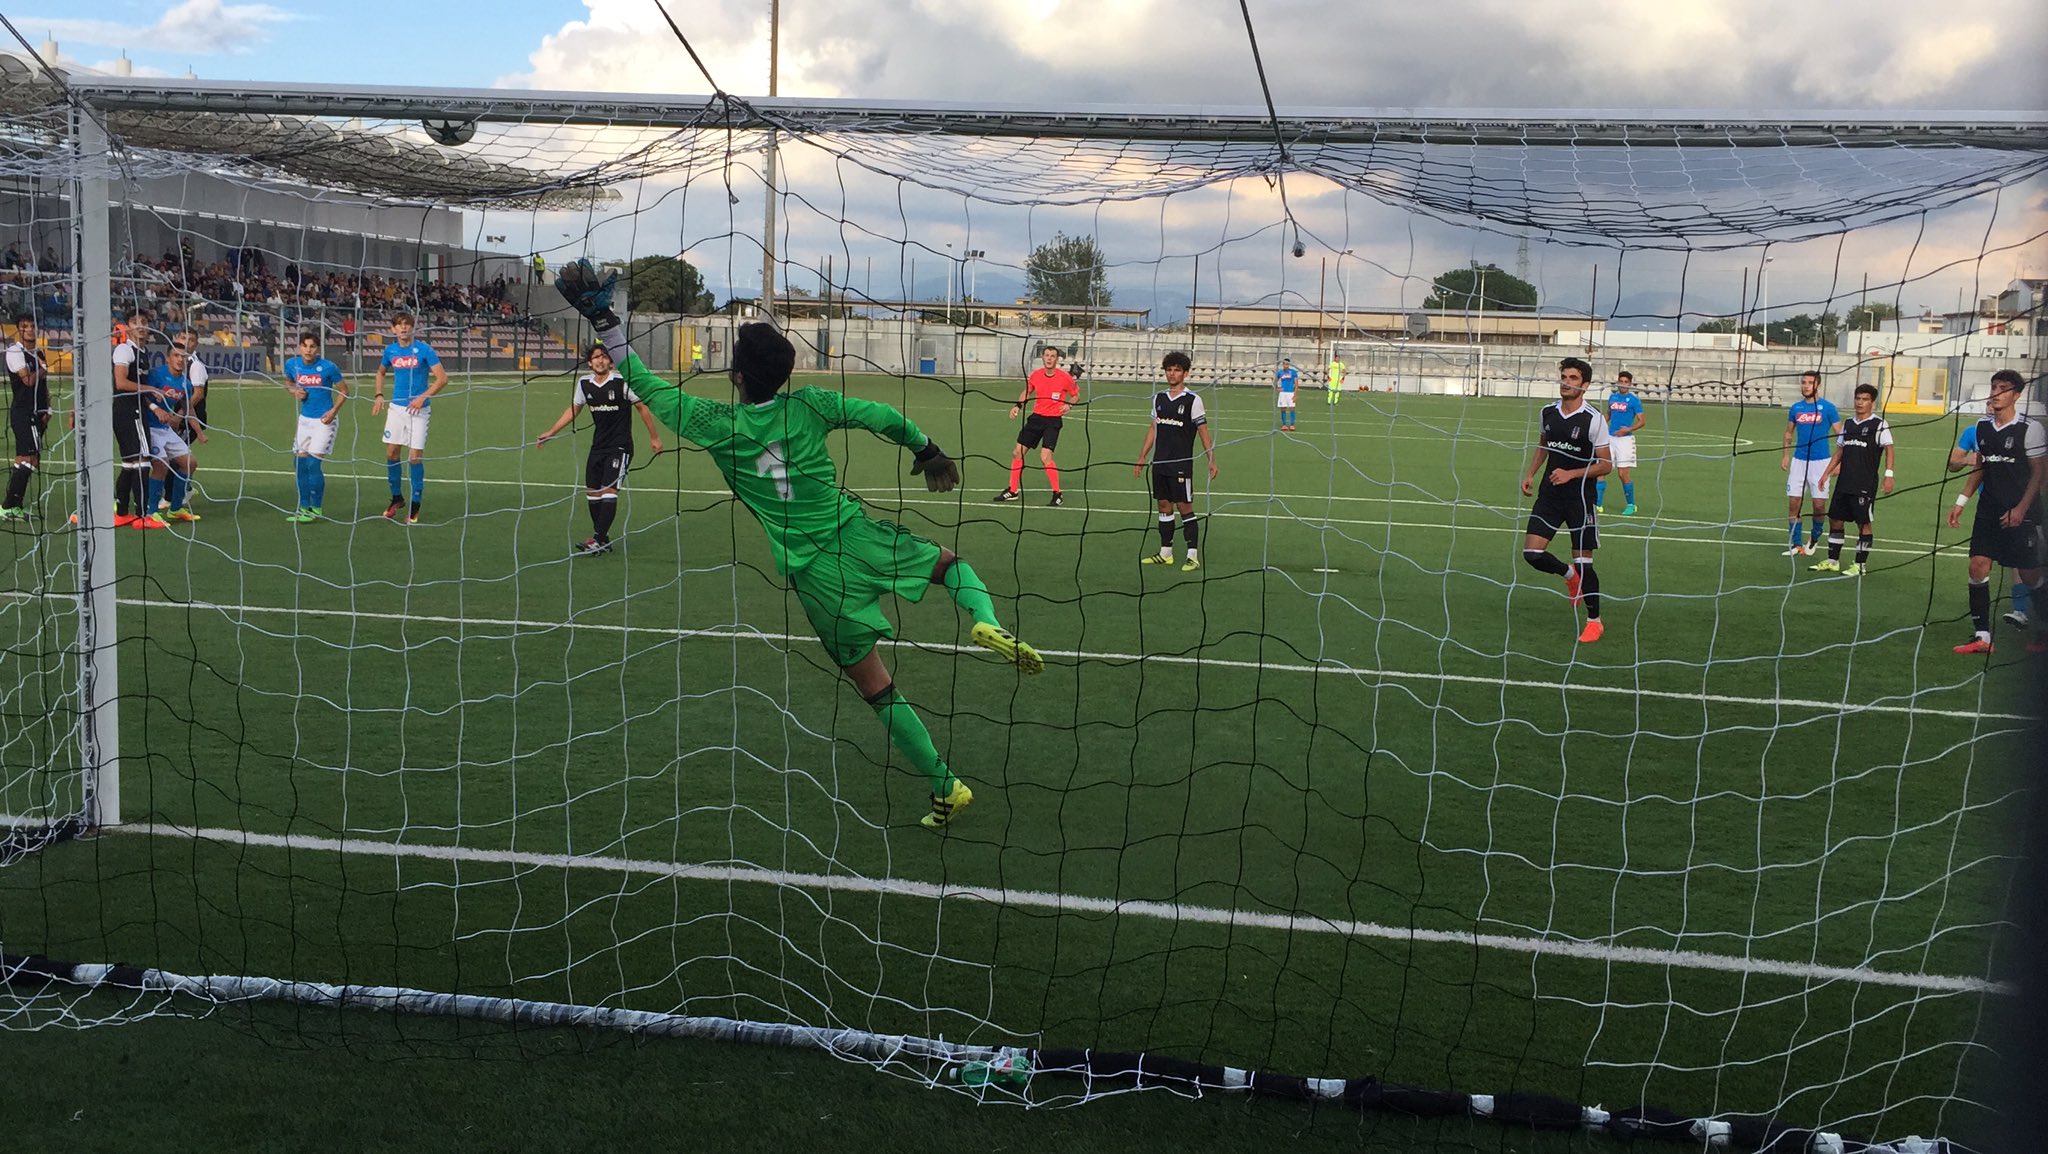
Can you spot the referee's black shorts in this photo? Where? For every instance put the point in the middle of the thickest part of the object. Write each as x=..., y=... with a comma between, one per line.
x=1040, y=432
x=2015, y=548
x=128, y=426
x=1173, y=483
x=1566, y=510
x=606, y=468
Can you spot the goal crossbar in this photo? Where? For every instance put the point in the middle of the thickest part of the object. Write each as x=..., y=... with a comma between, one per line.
x=2009, y=130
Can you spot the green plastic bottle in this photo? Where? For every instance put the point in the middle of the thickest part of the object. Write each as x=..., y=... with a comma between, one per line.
x=1011, y=1067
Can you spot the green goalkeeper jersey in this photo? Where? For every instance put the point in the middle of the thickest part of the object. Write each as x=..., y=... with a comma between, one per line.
x=776, y=455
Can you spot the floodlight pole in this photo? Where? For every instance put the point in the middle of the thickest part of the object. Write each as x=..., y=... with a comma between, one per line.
x=768, y=197
x=92, y=376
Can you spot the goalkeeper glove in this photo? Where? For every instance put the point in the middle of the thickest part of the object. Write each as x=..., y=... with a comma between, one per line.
x=590, y=297
x=940, y=472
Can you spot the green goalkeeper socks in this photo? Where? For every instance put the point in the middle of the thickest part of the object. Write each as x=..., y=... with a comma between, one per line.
x=907, y=733
x=964, y=586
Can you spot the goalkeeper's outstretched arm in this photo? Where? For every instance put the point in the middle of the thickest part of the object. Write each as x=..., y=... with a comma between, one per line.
x=592, y=299
x=940, y=472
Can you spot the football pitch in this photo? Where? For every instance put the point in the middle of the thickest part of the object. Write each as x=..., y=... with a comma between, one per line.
x=1349, y=801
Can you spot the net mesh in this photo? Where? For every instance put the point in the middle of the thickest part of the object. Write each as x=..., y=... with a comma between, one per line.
x=1346, y=801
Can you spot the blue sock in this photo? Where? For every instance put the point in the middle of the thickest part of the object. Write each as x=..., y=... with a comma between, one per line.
x=1600, y=492
x=2022, y=598
x=316, y=480
x=1798, y=526
x=179, y=486
x=1818, y=526
x=155, y=493
x=1628, y=492
x=391, y=474
x=419, y=481
x=305, y=489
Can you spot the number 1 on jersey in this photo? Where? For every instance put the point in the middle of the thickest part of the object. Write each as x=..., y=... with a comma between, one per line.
x=772, y=465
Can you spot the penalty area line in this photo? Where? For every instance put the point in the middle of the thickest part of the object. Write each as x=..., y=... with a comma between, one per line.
x=1320, y=669
x=1169, y=912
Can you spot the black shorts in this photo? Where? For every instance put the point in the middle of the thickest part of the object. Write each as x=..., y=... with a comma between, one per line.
x=1173, y=484
x=1041, y=432
x=2018, y=548
x=607, y=468
x=128, y=427
x=28, y=432
x=1853, y=508
x=1568, y=510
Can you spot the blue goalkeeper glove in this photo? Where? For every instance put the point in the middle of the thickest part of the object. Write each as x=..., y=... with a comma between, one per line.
x=590, y=297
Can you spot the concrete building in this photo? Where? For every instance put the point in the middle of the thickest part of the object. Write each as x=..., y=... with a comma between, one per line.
x=1438, y=325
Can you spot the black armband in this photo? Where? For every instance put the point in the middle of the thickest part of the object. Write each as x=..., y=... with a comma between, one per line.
x=931, y=449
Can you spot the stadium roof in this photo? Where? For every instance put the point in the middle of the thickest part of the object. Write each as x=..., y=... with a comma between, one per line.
x=324, y=152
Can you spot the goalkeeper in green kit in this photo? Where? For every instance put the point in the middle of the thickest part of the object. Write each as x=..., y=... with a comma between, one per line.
x=772, y=449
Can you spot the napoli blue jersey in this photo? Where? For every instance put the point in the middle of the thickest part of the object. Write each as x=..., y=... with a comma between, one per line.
x=409, y=365
x=1968, y=441
x=1813, y=424
x=173, y=391
x=1623, y=411
x=318, y=378
x=1287, y=378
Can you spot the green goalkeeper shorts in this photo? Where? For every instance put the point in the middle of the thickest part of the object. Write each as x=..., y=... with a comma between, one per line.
x=843, y=586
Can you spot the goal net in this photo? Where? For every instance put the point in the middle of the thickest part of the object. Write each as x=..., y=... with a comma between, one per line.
x=1351, y=809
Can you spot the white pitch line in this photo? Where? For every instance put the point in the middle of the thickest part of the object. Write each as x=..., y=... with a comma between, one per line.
x=1323, y=669
x=1171, y=912
x=1610, y=528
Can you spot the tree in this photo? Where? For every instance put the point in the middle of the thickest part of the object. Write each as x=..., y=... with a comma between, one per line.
x=1068, y=270
x=666, y=284
x=1480, y=287
x=1868, y=317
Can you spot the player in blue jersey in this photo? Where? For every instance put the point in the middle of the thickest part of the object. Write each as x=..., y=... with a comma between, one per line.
x=1624, y=420
x=315, y=383
x=416, y=375
x=1809, y=446
x=1285, y=381
x=1960, y=458
x=166, y=417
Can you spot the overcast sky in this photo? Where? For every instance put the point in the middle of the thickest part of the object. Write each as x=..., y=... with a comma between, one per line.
x=1732, y=55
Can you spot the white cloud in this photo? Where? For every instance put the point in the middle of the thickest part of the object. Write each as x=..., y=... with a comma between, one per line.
x=1505, y=54
x=1619, y=54
x=195, y=27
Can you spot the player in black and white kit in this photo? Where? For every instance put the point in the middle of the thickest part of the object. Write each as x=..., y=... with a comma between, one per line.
x=28, y=414
x=131, y=368
x=1572, y=454
x=197, y=374
x=2012, y=465
x=611, y=403
x=1177, y=419
x=1866, y=443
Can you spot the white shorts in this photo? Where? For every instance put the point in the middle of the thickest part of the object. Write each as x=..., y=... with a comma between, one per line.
x=402, y=428
x=315, y=437
x=1286, y=400
x=1623, y=450
x=1804, y=477
x=166, y=443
